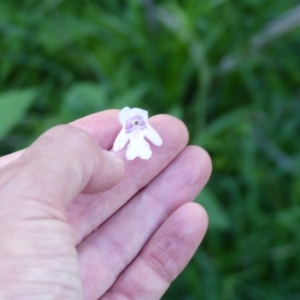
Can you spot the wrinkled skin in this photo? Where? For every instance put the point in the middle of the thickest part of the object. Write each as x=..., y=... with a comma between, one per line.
x=80, y=222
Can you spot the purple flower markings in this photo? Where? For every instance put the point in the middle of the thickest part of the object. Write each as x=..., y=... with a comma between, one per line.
x=134, y=123
x=135, y=128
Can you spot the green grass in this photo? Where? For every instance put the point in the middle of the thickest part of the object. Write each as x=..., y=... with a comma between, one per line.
x=229, y=69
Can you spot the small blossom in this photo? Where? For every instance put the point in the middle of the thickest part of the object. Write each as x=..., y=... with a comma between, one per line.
x=135, y=129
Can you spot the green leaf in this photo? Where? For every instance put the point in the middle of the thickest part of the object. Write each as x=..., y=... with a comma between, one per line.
x=132, y=97
x=218, y=218
x=82, y=99
x=13, y=105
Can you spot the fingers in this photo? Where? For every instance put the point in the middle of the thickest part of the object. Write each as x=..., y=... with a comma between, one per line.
x=87, y=212
x=164, y=256
x=124, y=234
x=60, y=164
x=66, y=161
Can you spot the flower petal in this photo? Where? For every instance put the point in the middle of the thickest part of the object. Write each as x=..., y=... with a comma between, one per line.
x=151, y=134
x=141, y=112
x=124, y=114
x=121, y=140
x=138, y=147
x=135, y=126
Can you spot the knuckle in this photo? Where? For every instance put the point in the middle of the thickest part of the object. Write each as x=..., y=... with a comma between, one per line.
x=68, y=135
x=118, y=293
x=162, y=263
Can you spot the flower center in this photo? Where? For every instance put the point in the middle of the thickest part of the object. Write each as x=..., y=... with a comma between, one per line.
x=135, y=123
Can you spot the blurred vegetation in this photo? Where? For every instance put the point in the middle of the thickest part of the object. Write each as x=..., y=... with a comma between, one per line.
x=229, y=69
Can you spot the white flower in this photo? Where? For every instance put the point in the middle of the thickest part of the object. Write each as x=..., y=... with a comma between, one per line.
x=135, y=129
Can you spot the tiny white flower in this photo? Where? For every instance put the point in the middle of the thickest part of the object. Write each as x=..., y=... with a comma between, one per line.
x=135, y=129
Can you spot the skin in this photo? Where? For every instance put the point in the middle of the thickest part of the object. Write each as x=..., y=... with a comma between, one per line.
x=80, y=222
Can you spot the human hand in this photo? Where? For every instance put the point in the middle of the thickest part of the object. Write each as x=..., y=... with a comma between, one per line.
x=74, y=223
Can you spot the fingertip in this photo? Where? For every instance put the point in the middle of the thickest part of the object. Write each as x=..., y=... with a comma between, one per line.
x=206, y=160
x=167, y=125
x=196, y=218
x=117, y=166
x=108, y=172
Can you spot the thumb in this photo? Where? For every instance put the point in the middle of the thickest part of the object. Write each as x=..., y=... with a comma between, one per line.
x=62, y=163
x=37, y=253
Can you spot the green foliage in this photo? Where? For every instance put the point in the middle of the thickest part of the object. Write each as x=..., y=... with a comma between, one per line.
x=228, y=69
x=218, y=217
x=83, y=99
x=13, y=106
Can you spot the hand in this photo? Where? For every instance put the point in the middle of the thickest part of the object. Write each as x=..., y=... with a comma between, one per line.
x=76, y=221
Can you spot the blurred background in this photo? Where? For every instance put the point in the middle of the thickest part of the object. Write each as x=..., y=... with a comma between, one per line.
x=229, y=69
